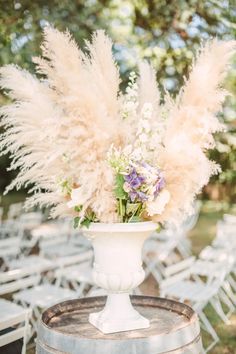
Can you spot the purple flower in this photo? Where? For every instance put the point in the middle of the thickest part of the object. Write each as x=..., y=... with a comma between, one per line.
x=136, y=183
x=142, y=196
x=133, y=196
x=134, y=180
x=159, y=185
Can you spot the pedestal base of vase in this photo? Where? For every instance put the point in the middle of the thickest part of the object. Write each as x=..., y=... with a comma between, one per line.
x=118, y=315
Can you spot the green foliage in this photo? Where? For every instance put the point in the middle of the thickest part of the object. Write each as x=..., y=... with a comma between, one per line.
x=119, y=191
x=167, y=33
x=85, y=222
x=89, y=217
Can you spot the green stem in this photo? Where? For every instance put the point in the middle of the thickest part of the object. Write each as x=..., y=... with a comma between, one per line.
x=121, y=209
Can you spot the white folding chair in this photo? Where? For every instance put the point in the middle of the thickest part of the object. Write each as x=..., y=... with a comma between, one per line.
x=24, y=285
x=156, y=253
x=76, y=271
x=43, y=264
x=6, y=231
x=180, y=286
x=31, y=219
x=17, y=279
x=15, y=210
x=59, y=246
x=40, y=297
x=14, y=319
x=10, y=248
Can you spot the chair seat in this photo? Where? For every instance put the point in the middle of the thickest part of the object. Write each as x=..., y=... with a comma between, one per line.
x=9, y=310
x=81, y=273
x=206, y=268
x=61, y=250
x=42, y=264
x=44, y=295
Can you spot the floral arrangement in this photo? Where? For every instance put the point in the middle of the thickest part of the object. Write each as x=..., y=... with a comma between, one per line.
x=97, y=154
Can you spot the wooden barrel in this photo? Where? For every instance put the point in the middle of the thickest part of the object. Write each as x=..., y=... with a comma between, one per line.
x=64, y=328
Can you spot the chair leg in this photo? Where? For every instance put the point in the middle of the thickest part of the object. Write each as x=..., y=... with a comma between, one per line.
x=209, y=329
x=232, y=282
x=227, y=301
x=215, y=302
x=23, y=351
x=228, y=290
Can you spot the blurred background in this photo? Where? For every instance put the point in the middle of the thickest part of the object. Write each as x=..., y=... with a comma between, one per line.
x=165, y=32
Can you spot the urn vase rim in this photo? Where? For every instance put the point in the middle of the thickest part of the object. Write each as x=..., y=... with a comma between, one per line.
x=122, y=226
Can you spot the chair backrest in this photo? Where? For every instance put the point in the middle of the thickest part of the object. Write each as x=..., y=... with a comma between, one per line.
x=77, y=259
x=18, y=279
x=179, y=267
x=34, y=217
x=9, y=242
x=10, y=247
x=185, y=274
x=9, y=229
x=191, y=220
x=15, y=210
x=5, y=231
x=53, y=241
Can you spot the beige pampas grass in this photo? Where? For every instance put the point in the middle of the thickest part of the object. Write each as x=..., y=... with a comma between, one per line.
x=61, y=126
x=191, y=123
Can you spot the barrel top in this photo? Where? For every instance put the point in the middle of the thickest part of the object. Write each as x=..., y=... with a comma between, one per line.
x=71, y=318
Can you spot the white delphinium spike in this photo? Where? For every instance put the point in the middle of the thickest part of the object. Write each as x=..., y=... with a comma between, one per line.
x=148, y=90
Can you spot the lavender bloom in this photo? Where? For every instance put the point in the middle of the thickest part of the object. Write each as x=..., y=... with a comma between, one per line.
x=137, y=182
x=159, y=185
x=133, y=196
x=142, y=196
x=134, y=180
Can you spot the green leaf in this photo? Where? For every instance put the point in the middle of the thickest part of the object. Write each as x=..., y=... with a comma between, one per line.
x=135, y=219
x=86, y=222
x=66, y=188
x=121, y=207
x=119, y=190
x=131, y=208
x=78, y=208
x=76, y=221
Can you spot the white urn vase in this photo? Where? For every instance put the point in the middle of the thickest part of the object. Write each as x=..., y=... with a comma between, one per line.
x=118, y=269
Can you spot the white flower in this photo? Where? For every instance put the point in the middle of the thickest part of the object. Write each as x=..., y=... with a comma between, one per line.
x=143, y=138
x=147, y=110
x=77, y=198
x=126, y=187
x=145, y=125
x=158, y=205
x=127, y=150
x=137, y=154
